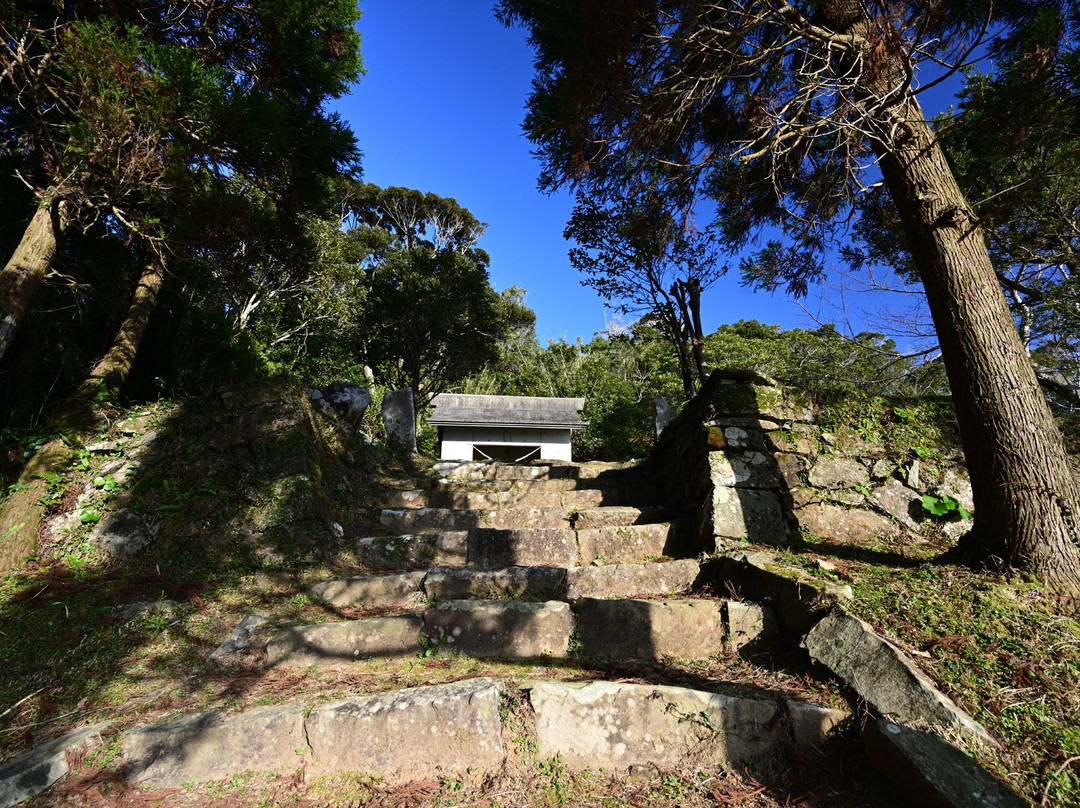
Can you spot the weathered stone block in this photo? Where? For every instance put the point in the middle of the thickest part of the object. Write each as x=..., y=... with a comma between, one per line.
x=899, y=502
x=399, y=419
x=617, y=516
x=630, y=580
x=791, y=467
x=838, y=472
x=215, y=745
x=857, y=525
x=327, y=643
x=629, y=543
x=376, y=591
x=933, y=773
x=748, y=622
x=650, y=629
x=811, y=725
x=522, y=547
x=532, y=583
x=884, y=675
x=429, y=519
x=609, y=725
x=412, y=734
x=413, y=551
x=798, y=600
x=803, y=439
x=746, y=512
x=502, y=628
x=509, y=518
x=32, y=772
x=744, y=470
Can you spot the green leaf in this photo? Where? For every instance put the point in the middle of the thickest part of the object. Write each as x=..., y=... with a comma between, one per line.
x=89, y=515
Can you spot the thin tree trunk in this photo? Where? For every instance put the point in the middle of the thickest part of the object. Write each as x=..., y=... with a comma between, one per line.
x=1026, y=500
x=22, y=512
x=25, y=271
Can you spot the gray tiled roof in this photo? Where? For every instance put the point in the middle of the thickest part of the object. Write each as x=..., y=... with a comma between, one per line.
x=457, y=409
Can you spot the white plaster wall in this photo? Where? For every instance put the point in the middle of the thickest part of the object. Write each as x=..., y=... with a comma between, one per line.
x=457, y=442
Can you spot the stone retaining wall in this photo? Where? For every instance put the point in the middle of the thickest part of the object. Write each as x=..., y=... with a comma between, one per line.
x=745, y=459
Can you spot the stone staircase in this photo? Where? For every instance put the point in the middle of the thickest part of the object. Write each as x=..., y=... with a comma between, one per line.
x=516, y=562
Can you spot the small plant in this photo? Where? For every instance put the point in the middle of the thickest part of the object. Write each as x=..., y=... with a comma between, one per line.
x=903, y=414
x=88, y=516
x=431, y=646
x=106, y=483
x=947, y=507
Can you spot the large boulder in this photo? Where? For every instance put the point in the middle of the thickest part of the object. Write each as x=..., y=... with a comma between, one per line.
x=399, y=419
x=349, y=401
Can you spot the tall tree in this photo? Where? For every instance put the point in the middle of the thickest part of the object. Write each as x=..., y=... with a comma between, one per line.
x=138, y=113
x=635, y=254
x=777, y=110
x=431, y=317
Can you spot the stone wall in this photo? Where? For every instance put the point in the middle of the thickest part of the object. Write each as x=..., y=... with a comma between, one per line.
x=746, y=460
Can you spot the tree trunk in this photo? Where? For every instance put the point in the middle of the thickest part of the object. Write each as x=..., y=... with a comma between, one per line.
x=1025, y=496
x=23, y=274
x=22, y=512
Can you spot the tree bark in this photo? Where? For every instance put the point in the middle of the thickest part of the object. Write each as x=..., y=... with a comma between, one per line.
x=25, y=271
x=1025, y=496
x=22, y=512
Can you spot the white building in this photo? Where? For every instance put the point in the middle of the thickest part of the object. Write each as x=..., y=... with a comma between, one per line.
x=515, y=428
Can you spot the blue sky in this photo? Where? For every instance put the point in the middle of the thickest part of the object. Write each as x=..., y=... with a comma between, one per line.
x=440, y=109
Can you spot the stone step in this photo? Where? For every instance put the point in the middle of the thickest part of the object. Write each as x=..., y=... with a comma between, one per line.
x=492, y=500
x=516, y=547
x=411, y=589
x=644, y=630
x=507, y=629
x=627, y=543
x=414, y=550
x=633, y=486
x=479, y=470
x=649, y=629
x=412, y=734
x=616, y=516
x=438, y=731
x=441, y=519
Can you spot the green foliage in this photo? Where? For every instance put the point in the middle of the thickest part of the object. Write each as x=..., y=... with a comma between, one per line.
x=823, y=359
x=947, y=507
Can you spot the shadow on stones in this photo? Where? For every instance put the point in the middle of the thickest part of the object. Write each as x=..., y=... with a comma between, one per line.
x=237, y=495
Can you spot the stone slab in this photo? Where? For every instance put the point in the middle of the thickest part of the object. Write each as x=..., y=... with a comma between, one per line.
x=215, y=745
x=613, y=516
x=530, y=583
x=34, y=771
x=327, y=643
x=798, y=600
x=885, y=676
x=628, y=543
x=932, y=773
x=615, y=726
x=520, y=517
x=829, y=521
x=239, y=639
x=744, y=470
x=502, y=628
x=649, y=629
x=429, y=520
x=631, y=580
x=399, y=420
x=412, y=734
x=838, y=472
x=747, y=513
x=813, y=726
x=900, y=502
x=374, y=591
x=490, y=547
x=747, y=624
x=413, y=551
